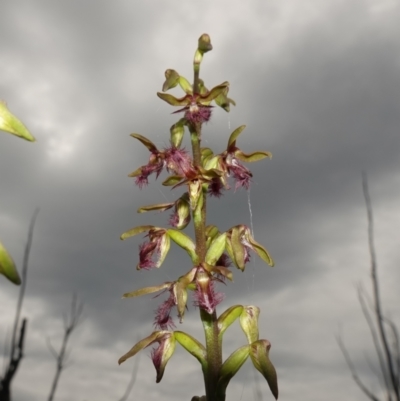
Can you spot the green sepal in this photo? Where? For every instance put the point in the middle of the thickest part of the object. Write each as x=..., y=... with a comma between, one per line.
x=167, y=342
x=202, y=88
x=238, y=248
x=164, y=249
x=136, y=172
x=195, y=195
x=210, y=173
x=252, y=157
x=216, y=249
x=223, y=101
x=211, y=233
x=185, y=85
x=261, y=252
x=180, y=293
x=171, y=81
x=172, y=180
x=230, y=367
x=140, y=345
x=228, y=317
x=249, y=322
x=229, y=249
x=177, y=131
x=193, y=346
x=172, y=100
x=234, y=135
x=206, y=155
x=221, y=270
x=135, y=231
x=185, y=242
x=7, y=266
x=12, y=125
x=146, y=142
x=160, y=207
x=146, y=290
x=259, y=354
x=212, y=162
x=197, y=212
x=214, y=92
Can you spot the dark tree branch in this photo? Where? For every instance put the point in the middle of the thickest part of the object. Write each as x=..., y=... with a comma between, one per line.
x=353, y=371
x=24, y=274
x=71, y=321
x=17, y=345
x=375, y=287
x=374, y=336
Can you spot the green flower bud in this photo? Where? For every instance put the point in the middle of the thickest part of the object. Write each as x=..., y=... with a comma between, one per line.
x=7, y=266
x=11, y=124
x=204, y=45
x=182, y=212
x=172, y=80
x=249, y=322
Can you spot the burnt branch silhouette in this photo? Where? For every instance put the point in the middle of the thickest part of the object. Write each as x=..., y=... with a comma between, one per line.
x=382, y=329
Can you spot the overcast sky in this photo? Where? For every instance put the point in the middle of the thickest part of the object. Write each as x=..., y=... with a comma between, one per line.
x=317, y=84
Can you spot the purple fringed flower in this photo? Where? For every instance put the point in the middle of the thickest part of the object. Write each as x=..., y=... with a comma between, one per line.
x=205, y=295
x=215, y=188
x=163, y=319
x=240, y=173
x=153, y=252
x=147, y=251
x=195, y=112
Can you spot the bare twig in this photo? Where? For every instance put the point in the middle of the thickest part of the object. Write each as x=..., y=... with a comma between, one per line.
x=24, y=274
x=375, y=338
x=17, y=345
x=70, y=323
x=375, y=287
x=353, y=371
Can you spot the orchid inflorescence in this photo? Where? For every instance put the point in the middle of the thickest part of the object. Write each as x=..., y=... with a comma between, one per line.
x=212, y=252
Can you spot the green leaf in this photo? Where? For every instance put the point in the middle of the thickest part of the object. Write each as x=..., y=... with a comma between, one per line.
x=234, y=135
x=135, y=231
x=11, y=124
x=230, y=367
x=216, y=249
x=7, y=266
x=228, y=317
x=193, y=346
